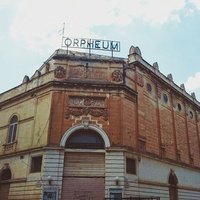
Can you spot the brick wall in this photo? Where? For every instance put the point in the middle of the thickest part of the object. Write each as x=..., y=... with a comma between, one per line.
x=159, y=117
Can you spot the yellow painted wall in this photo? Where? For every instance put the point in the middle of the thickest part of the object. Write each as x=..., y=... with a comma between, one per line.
x=33, y=115
x=41, y=123
x=24, y=185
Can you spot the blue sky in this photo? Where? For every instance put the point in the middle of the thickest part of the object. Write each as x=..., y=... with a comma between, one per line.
x=167, y=32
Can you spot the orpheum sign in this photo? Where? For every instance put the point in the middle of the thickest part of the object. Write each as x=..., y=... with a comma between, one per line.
x=95, y=44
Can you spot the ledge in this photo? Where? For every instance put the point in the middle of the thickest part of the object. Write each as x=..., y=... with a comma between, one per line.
x=17, y=180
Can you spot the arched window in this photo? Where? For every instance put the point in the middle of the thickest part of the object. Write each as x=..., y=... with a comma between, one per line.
x=85, y=139
x=173, y=181
x=12, y=129
x=6, y=174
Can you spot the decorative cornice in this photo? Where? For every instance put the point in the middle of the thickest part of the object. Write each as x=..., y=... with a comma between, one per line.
x=69, y=85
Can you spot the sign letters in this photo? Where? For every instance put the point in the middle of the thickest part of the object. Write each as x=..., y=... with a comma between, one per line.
x=94, y=44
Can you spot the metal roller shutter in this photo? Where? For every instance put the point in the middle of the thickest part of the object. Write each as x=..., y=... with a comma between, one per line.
x=84, y=164
x=84, y=176
x=83, y=189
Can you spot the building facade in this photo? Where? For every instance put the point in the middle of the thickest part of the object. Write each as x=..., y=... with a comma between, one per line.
x=87, y=126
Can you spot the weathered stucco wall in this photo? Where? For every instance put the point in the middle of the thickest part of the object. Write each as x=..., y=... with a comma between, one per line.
x=33, y=123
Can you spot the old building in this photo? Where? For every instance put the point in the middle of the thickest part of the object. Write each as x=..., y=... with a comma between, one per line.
x=86, y=126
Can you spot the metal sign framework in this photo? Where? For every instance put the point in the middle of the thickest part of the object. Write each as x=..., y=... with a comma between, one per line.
x=91, y=44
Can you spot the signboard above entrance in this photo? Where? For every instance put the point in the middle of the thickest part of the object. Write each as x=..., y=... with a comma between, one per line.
x=92, y=44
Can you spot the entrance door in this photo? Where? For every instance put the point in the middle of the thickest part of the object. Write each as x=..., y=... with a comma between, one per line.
x=84, y=176
x=4, y=191
x=5, y=175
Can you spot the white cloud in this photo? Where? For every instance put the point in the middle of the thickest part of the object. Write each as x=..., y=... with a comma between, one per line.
x=196, y=3
x=159, y=12
x=37, y=22
x=4, y=2
x=193, y=82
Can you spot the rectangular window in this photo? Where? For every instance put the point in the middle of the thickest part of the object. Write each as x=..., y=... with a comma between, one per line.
x=163, y=151
x=178, y=155
x=142, y=146
x=36, y=164
x=130, y=166
x=191, y=159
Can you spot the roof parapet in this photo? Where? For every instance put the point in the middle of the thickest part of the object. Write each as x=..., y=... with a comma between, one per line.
x=134, y=54
x=37, y=74
x=193, y=95
x=182, y=86
x=25, y=79
x=170, y=77
x=156, y=66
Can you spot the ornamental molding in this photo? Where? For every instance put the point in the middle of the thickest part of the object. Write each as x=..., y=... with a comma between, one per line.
x=84, y=72
x=95, y=112
x=60, y=72
x=117, y=76
x=85, y=101
x=79, y=106
x=71, y=130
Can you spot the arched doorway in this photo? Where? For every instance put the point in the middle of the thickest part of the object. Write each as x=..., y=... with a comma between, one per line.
x=5, y=176
x=173, y=181
x=84, y=165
